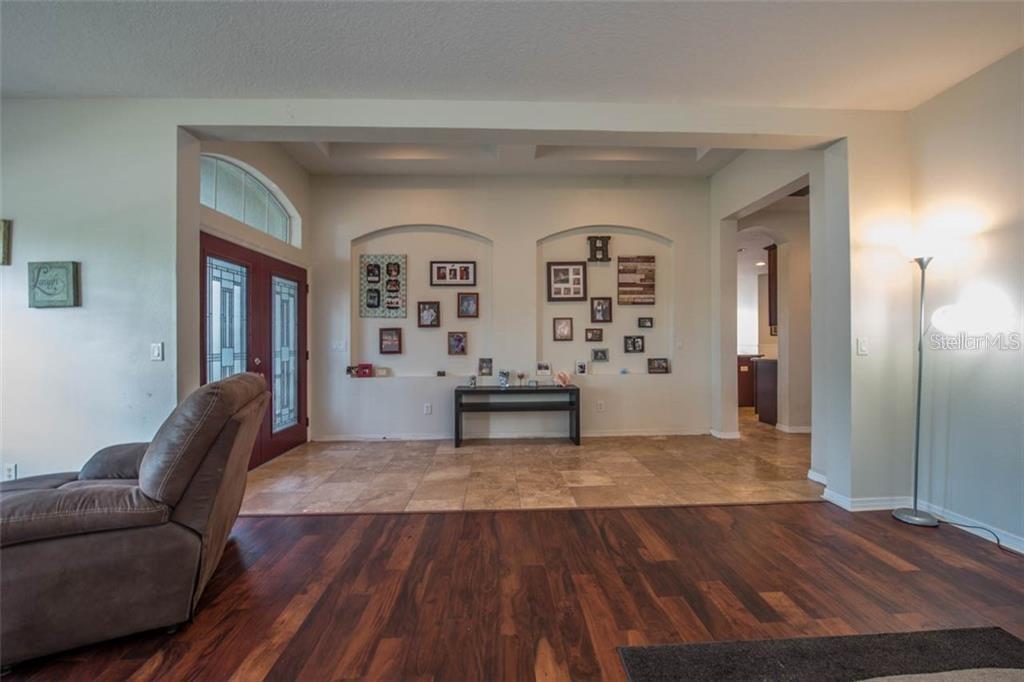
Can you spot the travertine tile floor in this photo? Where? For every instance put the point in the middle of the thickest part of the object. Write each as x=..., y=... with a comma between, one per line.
x=764, y=465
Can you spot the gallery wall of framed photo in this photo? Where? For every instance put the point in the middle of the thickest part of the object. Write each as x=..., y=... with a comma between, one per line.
x=607, y=315
x=433, y=304
x=512, y=227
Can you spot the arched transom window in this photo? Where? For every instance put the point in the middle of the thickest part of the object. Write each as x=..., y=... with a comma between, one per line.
x=228, y=188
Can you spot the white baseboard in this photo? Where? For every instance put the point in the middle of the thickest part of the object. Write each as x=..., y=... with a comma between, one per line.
x=725, y=434
x=858, y=504
x=786, y=428
x=817, y=477
x=1008, y=539
x=604, y=433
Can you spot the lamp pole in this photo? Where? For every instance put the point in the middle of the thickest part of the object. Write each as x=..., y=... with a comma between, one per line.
x=915, y=516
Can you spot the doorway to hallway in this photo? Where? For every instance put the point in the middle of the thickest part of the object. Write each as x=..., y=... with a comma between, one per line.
x=253, y=319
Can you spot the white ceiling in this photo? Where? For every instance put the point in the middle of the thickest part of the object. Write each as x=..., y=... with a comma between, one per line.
x=860, y=55
x=340, y=158
x=480, y=151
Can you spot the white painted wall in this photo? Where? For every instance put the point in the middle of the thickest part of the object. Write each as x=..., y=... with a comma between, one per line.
x=511, y=216
x=98, y=179
x=968, y=154
x=860, y=413
x=790, y=229
x=747, y=314
x=767, y=344
x=76, y=379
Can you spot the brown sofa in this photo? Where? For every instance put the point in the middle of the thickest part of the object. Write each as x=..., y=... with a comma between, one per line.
x=128, y=543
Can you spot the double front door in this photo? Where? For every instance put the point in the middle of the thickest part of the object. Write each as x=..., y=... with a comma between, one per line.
x=253, y=319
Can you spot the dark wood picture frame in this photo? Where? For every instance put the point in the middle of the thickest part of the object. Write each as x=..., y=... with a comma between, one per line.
x=465, y=343
x=554, y=328
x=421, y=306
x=594, y=300
x=555, y=298
x=594, y=334
x=380, y=341
x=633, y=343
x=658, y=366
x=447, y=264
x=468, y=295
x=645, y=322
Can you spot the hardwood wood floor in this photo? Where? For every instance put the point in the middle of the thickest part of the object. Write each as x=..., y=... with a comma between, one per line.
x=551, y=594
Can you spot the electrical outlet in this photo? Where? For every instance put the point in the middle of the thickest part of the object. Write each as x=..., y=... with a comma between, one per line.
x=600, y=406
x=156, y=351
x=428, y=408
x=10, y=471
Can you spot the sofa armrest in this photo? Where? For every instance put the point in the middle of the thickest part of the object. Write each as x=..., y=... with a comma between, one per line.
x=85, y=507
x=114, y=461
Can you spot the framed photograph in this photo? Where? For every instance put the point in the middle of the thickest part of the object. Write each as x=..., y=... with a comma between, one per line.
x=469, y=304
x=581, y=366
x=599, y=355
x=658, y=366
x=636, y=280
x=485, y=367
x=595, y=334
x=6, y=227
x=562, y=329
x=645, y=322
x=567, y=281
x=599, y=249
x=382, y=286
x=600, y=309
x=504, y=376
x=453, y=273
x=633, y=344
x=391, y=341
x=54, y=285
x=428, y=314
x=457, y=343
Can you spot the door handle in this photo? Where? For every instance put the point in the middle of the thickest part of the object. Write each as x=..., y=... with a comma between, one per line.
x=257, y=362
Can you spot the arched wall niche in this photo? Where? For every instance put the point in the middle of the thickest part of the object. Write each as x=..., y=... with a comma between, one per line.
x=424, y=349
x=602, y=281
x=421, y=229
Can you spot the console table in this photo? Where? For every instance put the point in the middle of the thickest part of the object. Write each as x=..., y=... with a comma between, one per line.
x=527, y=399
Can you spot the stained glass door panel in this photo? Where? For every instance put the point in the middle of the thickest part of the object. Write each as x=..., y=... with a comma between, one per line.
x=253, y=319
x=226, y=348
x=285, y=352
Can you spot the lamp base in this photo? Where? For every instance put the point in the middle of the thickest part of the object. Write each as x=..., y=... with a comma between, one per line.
x=915, y=517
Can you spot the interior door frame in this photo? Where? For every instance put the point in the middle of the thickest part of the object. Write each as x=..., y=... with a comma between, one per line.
x=261, y=268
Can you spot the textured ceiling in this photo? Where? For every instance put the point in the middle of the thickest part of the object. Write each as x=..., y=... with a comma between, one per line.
x=858, y=55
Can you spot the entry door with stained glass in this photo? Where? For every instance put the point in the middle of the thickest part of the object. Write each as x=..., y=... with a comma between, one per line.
x=253, y=319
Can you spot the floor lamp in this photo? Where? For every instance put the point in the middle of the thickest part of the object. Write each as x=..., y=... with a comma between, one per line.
x=915, y=516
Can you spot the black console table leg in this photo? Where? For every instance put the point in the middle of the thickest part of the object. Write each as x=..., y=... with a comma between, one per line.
x=574, y=422
x=458, y=422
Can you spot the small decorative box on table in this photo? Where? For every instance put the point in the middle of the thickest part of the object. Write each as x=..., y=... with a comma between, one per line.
x=519, y=399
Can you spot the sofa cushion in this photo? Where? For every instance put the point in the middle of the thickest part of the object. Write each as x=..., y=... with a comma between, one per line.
x=38, y=482
x=184, y=438
x=85, y=507
x=115, y=461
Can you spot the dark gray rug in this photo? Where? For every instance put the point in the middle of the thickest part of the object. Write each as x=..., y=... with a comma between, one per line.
x=857, y=657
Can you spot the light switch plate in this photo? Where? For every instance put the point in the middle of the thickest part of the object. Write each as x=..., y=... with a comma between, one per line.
x=862, y=346
x=156, y=351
